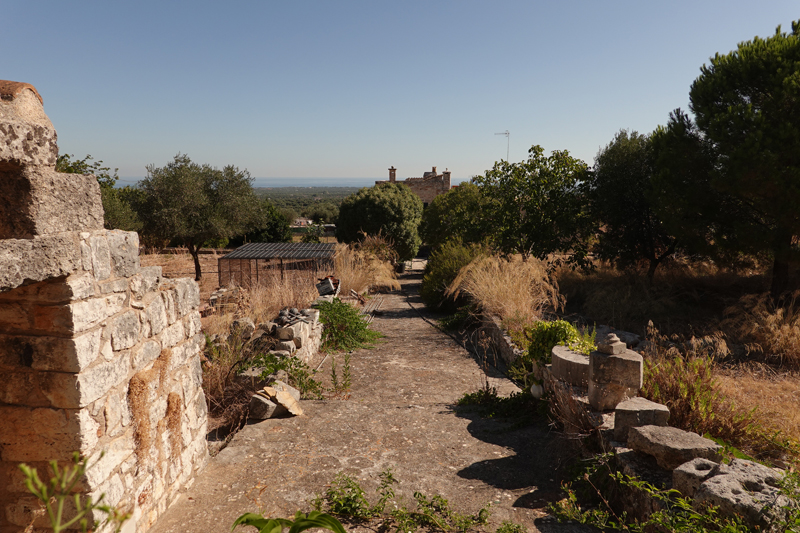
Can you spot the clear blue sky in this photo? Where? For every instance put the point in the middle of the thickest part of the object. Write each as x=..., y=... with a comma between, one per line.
x=347, y=89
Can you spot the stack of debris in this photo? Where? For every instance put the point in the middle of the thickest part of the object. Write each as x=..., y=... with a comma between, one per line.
x=608, y=381
x=274, y=400
x=328, y=289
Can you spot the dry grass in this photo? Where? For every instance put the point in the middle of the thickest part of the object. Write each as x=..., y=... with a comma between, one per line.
x=769, y=332
x=361, y=270
x=685, y=378
x=517, y=291
x=776, y=396
x=686, y=298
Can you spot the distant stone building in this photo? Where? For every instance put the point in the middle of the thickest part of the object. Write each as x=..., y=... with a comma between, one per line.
x=428, y=187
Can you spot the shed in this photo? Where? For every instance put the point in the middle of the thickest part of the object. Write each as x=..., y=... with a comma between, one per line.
x=248, y=264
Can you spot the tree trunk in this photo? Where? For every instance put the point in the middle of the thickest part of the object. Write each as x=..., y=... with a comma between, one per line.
x=780, y=266
x=195, y=253
x=655, y=261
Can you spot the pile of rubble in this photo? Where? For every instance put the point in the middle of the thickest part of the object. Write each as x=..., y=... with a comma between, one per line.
x=609, y=380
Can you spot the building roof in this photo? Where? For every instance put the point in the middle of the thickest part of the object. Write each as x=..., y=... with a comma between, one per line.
x=283, y=250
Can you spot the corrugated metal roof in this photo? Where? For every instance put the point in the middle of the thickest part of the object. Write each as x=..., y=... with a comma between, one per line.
x=282, y=250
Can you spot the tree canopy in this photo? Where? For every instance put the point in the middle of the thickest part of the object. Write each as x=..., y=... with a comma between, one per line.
x=744, y=152
x=193, y=204
x=537, y=207
x=462, y=213
x=619, y=192
x=389, y=209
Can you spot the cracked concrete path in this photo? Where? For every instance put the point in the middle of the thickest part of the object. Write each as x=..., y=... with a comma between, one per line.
x=401, y=415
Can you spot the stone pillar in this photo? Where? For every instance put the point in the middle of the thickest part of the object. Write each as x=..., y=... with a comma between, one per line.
x=97, y=354
x=615, y=374
x=392, y=174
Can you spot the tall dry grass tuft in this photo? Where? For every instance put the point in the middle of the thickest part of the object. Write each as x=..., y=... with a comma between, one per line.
x=517, y=291
x=361, y=270
x=683, y=377
x=770, y=332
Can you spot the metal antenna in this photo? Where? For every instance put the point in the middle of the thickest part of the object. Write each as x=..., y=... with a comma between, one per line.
x=508, y=141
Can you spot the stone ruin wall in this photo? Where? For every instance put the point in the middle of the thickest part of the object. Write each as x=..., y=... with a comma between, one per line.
x=427, y=188
x=97, y=354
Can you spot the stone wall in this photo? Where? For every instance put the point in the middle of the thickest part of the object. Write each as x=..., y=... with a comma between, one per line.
x=98, y=355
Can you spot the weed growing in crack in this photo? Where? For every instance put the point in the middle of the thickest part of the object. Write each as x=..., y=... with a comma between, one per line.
x=346, y=498
x=510, y=527
x=301, y=376
x=341, y=389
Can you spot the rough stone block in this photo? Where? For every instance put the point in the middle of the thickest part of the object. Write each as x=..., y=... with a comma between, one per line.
x=86, y=314
x=687, y=478
x=43, y=434
x=671, y=446
x=125, y=330
x=41, y=201
x=50, y=353
x=613, y=378
x=286, y=333
x=187, y=296
x=243, y=328
x=118, y=285
x=27, y=137
x=101, y=256
x=286, y=346
x=262, y=408
x=570, y=367
x=745, y=488
x=636, y=412
x=279, y=385
x=156, y=316
x=124, y=249
x=24, y=261
x=146, y=354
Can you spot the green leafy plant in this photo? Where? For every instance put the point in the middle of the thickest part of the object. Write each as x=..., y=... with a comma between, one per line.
x=56, y=494
x=490, y=405
x=458, y=320
x=341, y=388
x=510, y=527
x=345, y=497
x=442, y=268
x=301, y=522
x=344, y=327
x=301, y=376
x=675, y=513
x=540, y=338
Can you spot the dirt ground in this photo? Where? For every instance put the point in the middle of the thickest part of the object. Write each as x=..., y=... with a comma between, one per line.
x=401, y=415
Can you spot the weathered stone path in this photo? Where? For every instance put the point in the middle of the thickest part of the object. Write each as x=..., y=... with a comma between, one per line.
x=400, y=415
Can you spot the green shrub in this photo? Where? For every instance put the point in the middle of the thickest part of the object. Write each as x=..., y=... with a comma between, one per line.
x=443, y=266
x=540, y=338
x=345, y=328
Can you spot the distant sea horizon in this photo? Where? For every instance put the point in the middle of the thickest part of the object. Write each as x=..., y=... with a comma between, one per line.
x=298, y=182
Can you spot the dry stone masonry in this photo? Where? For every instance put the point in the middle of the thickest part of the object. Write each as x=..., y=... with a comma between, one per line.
x=98, y=355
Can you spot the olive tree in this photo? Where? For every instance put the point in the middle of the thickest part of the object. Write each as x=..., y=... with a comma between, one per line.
x=537, y=206
x=619, y=186
x=388, y=209
x=192, y=204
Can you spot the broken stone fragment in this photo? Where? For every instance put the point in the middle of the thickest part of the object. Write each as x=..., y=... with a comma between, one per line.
x=569, y=366
x=262, y=408
x=636, y=412
x=748, y=489
x=671, y=446
x=687, y=478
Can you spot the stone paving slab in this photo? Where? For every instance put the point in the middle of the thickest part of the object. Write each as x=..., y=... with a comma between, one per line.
x=401, y=415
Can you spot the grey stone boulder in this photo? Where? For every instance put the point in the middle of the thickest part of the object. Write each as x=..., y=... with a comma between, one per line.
x=243, y=328
x=687, y=478
x=745, y=488
x=569, y=366
x=262, y=408
x=280, y=385
x=636, y=412
x=671, y=446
